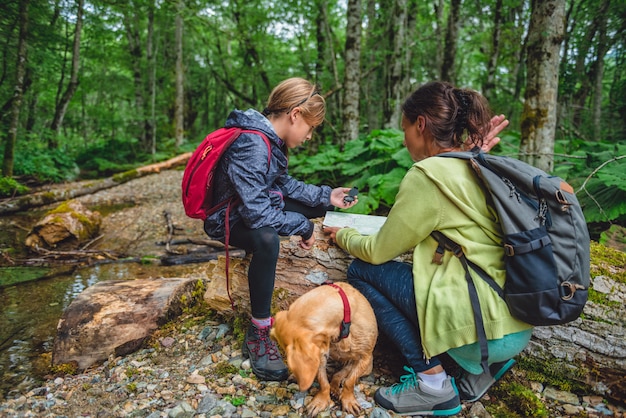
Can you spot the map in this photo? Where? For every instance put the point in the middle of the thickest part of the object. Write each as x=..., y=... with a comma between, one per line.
x=365, y=224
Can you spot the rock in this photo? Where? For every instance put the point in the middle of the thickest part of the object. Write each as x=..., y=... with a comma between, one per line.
x=115, y=317
x=68, y=224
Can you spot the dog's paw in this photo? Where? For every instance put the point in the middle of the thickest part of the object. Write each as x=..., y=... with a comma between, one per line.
x=318, y=404
x=349, y=404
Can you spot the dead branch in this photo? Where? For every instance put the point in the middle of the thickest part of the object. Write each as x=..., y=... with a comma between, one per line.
x=33, y=200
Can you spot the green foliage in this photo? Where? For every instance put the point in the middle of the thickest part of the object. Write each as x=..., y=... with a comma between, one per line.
x=599, y=175
x=11, y=187
x=106, y=157
x=375, y=164
x=34, y=159
x=235, y=400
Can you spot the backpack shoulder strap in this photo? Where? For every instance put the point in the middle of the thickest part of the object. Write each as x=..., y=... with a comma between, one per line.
x=445, y=243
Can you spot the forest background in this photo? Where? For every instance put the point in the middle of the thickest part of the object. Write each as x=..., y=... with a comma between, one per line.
x=89, y=88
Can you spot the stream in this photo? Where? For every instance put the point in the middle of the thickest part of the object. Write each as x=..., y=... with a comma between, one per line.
x=30, y=312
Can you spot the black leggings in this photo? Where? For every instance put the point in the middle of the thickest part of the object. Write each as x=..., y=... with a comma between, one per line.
x=264, y=245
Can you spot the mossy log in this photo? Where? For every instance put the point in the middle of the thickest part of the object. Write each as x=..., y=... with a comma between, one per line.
x=590, y=351
x=69, y=223
x=38, y=199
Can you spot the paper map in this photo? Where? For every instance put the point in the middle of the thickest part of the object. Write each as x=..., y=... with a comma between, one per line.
x=365, y=224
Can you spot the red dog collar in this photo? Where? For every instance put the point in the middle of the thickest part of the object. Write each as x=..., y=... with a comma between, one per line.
x=344, y=329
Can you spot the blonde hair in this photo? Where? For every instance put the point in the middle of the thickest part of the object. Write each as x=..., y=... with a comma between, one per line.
x=297, y=92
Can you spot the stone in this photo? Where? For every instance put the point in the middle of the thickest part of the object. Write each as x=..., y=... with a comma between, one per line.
x=115, y=317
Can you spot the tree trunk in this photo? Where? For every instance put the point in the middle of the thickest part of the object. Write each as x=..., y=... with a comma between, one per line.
x=439, y=35
x=490, y=82
x=18, y=92
x=397, y=64
x=448, y=69
x=539, y=117
x=180, y=94
x=136, y=54
x=602, y=47
x=353, y=73
x=61, y=108
x=12, y=205
x=151, y=121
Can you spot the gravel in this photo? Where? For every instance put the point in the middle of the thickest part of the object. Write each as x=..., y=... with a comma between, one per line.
x=193, y=367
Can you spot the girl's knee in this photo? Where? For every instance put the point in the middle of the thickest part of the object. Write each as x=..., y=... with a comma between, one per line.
x=267, y=241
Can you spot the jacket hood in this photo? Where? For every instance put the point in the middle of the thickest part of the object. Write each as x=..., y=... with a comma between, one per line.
x=252, y=119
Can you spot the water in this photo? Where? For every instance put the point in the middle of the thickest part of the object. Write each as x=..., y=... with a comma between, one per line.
x=30, y=312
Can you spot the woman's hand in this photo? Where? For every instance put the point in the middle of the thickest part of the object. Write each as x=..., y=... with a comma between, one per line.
x=332, y=231
x=337, y=198
x=496, y=125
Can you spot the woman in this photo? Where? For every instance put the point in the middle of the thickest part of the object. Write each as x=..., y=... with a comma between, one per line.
x=424, y=308
x=272, y=203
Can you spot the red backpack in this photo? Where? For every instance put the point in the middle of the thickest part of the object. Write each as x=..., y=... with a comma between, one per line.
x=198, y=177
x=198, y=181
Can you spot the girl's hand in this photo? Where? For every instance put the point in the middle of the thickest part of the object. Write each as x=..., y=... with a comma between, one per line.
x=337, y=195
x=307, y=244
x=332, y=231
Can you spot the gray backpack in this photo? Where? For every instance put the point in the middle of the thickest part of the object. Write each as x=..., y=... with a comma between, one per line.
x=545, y=239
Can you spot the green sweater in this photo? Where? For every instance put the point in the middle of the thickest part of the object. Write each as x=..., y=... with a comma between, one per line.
x=443, y=194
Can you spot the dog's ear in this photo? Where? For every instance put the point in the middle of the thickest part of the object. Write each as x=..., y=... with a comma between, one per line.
x=280, y=321
x=303, y=358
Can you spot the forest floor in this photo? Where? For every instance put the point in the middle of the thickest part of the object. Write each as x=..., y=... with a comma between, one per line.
x=193, y=367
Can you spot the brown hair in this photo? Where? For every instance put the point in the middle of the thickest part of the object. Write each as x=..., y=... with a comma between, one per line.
x=297, y=92
x=449, y=113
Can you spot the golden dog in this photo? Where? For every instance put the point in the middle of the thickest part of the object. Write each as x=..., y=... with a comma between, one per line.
x=309, y=333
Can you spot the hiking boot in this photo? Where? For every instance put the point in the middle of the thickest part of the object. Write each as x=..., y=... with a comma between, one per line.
x=265, y=358
x=472, y=387
x=412, y=397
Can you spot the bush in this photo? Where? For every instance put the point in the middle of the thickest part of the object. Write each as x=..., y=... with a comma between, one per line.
x=11, y=187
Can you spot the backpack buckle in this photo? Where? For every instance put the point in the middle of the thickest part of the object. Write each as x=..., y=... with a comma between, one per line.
x=438, y=256
x=571, y=287
x=509, y=250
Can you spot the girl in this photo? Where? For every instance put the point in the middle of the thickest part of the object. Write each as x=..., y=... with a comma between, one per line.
x=272, y=202
x=424, y=308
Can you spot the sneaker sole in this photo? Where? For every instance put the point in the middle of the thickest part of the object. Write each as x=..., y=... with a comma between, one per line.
x=507, y=366
x=438, y=412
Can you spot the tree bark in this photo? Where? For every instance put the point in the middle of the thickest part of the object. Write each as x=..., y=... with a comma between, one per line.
x=352, y=78
x=490, y=82
x=397, y=63
x=34, y=200
x=602, y=47
x=180, y=77
x=61, y=108
x=448, y=68
x=136, y=54
x=539, y=116
x=151, y=55
x=18, y=92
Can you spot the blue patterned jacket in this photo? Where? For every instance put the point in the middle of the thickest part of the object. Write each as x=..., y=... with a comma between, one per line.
x=243, y=171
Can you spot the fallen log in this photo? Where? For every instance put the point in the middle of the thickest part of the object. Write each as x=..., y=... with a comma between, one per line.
x=33, y=200
x=590, y=350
